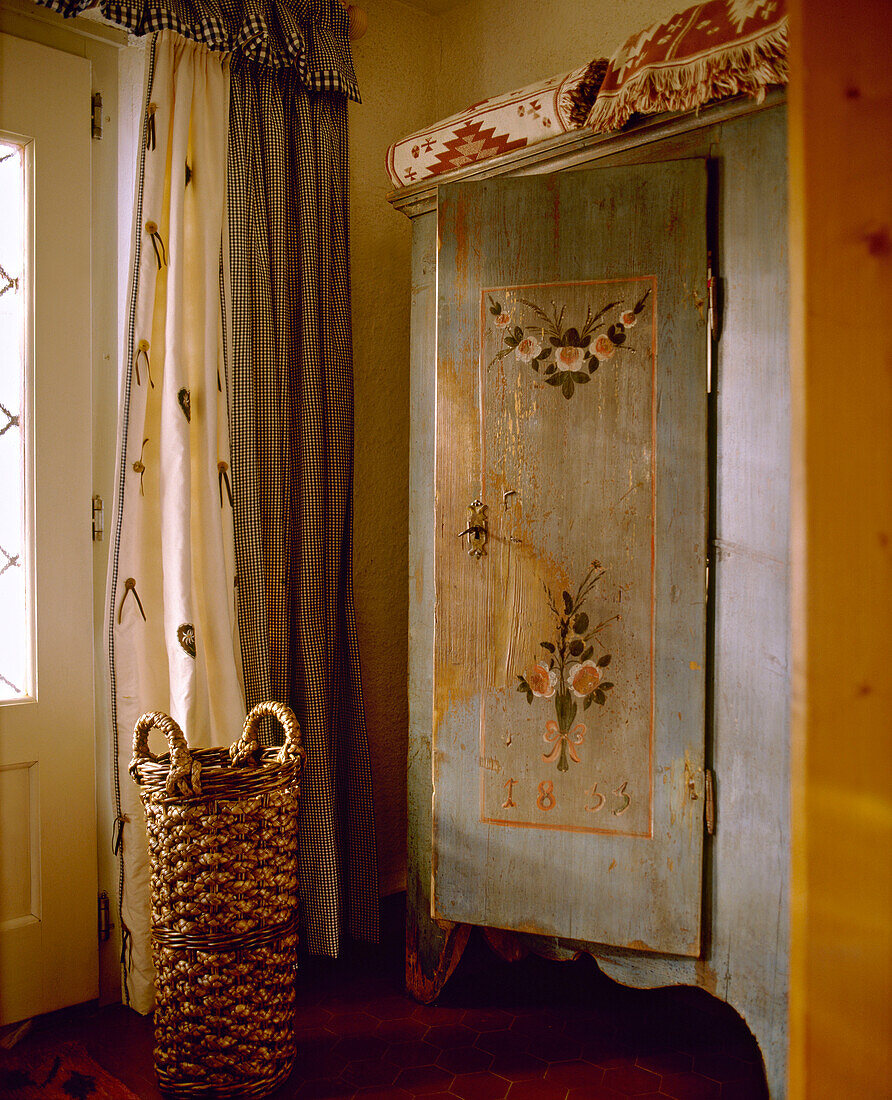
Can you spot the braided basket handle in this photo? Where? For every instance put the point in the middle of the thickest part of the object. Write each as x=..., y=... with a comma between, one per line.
x=247, y=748
x=185, y=773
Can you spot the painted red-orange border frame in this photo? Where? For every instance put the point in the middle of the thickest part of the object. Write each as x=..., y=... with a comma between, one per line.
x=652, y=279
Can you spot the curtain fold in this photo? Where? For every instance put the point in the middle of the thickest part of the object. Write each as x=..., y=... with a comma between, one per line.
x=302, y=35
x=292, y=411
x=172, y=617
x=231, y=570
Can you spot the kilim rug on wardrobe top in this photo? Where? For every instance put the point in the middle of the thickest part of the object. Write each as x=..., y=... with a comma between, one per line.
x=66, y=1072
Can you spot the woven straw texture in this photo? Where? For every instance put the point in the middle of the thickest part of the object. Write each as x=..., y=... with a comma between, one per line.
x=222, y=828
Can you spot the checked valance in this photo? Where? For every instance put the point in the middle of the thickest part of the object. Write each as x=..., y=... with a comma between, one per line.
x=310, y=36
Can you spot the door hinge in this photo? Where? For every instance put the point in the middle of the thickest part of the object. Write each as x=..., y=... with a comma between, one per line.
x=98, y=518
x=709, y=809
x=105, y=922
x=713, y=319
x=96, y=115
x=710, y=319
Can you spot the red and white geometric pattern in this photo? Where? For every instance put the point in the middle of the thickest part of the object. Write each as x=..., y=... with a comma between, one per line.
x=485, y=130
x=707, y=52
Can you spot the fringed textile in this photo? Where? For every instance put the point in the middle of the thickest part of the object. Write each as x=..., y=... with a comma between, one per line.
x=707, y=52
x=582, y=98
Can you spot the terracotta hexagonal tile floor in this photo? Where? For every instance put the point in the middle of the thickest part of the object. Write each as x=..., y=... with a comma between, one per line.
x=530, y=1030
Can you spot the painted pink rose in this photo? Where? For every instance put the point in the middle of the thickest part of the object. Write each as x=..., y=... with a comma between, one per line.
x=528, y=349
x=628, y=318
x=503, y=320
x=568, y=358
x=542, y=680
x=583, y=678
x=603, y=348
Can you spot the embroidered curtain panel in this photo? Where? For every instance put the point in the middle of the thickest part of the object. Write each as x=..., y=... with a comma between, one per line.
x=283, y=354
x=173, y=628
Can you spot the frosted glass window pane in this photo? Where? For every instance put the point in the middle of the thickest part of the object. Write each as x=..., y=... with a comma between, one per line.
x=15, y=612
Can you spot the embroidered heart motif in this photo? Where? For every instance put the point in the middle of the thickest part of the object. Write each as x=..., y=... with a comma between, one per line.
x=185, y=400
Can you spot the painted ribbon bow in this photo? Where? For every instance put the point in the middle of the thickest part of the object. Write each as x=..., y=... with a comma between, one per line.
x=564, y=742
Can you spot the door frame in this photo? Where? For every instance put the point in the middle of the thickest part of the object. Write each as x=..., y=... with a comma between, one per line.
x=107, y=50
x=48, y=954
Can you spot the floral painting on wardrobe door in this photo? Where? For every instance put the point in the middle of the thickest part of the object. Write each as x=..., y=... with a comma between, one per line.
x=568, y=468
x=569, y=671
x=563, y=349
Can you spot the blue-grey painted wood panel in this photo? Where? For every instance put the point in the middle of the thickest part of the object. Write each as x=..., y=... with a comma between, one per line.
x=745, y=956
x=746, y=953
x=571, y=400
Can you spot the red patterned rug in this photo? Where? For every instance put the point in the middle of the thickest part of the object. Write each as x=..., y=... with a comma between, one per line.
x=66, y=1072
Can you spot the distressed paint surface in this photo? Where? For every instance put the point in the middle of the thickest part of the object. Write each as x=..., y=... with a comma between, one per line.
x=610, y=469
x=570, y=469
x=745, y=949
x=745, y=959
x=432, y=950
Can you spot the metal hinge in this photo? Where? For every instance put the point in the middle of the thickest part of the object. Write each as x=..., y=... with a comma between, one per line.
x=713, y=321
x=709, y=809
x=98, y=518
x=96, y=115
x=105, y=922
x=710, y=319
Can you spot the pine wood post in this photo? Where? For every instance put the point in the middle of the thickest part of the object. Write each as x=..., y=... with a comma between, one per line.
x=841, y=245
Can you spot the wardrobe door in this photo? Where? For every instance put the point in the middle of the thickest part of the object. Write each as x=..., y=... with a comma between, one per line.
x=570, y=532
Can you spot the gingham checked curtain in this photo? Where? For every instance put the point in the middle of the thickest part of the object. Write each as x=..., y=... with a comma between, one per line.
x=308, y=36
x=292, y=463
x=290, y=389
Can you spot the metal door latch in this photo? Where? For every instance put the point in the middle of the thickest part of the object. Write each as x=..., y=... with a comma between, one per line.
x=105, y=922
x=476, y=530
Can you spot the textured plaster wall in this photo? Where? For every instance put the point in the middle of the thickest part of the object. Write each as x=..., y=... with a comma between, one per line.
x=491, y=47
x=396, y=65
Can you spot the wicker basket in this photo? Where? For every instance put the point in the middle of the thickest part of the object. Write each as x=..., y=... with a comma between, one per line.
x=222, y=827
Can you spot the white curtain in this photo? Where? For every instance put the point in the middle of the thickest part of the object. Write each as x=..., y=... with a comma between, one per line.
x=171, y=599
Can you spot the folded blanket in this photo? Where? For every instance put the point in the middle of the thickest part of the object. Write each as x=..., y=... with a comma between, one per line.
x=710, y=51
x=497, y=125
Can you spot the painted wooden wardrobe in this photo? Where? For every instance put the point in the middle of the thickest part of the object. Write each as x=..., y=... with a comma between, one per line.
x=738, y=538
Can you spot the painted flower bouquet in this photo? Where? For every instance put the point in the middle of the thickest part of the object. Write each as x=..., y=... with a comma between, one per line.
x=565, y=357
x=569, y=673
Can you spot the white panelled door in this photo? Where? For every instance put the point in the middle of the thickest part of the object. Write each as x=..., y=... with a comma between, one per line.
x=48, y=939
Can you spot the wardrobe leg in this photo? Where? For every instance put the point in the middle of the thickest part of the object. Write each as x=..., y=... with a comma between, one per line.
x=432, y=950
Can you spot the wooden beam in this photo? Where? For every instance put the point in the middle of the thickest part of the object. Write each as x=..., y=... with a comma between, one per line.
x=840, y=134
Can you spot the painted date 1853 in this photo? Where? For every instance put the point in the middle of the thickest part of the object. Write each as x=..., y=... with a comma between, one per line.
x=616, y=802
